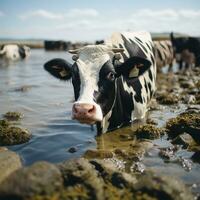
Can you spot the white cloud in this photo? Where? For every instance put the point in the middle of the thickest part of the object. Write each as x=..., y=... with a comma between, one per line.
x=90, y=24
x=74, y=14
x=41, y=13
x=190, y=13
x=77, y=13
x=166, y=14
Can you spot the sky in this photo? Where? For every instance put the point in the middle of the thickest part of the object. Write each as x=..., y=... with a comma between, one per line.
x=90, y=20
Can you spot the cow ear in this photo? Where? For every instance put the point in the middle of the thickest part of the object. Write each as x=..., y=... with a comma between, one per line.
x=59, y=68
x=133, y=67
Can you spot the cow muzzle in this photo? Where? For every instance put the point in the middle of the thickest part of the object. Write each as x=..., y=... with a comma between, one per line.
x=86, y=113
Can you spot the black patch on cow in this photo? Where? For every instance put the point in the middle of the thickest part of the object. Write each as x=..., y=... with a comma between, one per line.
x=2, y=47
x=150, y=89
x=22, y=52
x=152, y=59
x=106, y=94
x=76, y=81
x=145, y=85
x=138, y=40
x=159, y=54
x=150, y=75
x=122, y=53
x=58, y=65
x=133, y=48
x=137, y=87
x=148, y=46
x=141, y=43
x=163, y=46
x=121, y=113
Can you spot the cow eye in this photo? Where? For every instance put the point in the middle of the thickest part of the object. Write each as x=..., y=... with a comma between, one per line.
x=111, y=76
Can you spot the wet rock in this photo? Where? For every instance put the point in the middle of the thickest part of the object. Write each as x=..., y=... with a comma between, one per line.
x=151, y=121
x=167, y=99
x=41, y=178
x=184, y=139
x=196, y=157
x=168, y=153
x=13, y=116
x=186, y=122
x=24, y=88
x=4, y=123
x=193, y=109
x=149, y=131
x=9, y=162
x=137, y=167
x=117, y=185
x=93, y=153
x=72, y=149
x=189, y=99
x=11, y=135
x=119, y=164
x=151, y=186
x=187, y=84
x=80, y=173
x=185, y=163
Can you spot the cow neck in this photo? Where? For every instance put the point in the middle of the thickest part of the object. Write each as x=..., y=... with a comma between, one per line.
x=102, y=127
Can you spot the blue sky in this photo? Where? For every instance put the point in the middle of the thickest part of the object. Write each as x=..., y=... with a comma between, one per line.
x=88, y=20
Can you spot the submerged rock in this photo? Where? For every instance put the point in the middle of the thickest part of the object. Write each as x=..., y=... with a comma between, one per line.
x=41, y=178
x=72, y=149
x=93, y=153
x=11, y=135
x=149, y=131
x=186, y=122
x=13, y=116
x=9, y=162
x=24, y=88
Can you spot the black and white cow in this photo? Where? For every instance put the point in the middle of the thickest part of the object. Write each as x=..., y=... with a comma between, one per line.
x=14, y=52
x=186, y=50
x=164, y=54
x=113, y=82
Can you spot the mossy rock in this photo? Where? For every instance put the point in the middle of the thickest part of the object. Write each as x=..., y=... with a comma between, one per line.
x=11, y=135
x=92, y=153
x=167, y=99
x=153, y=187
x=13, y=116
x=186, y=122
x=149, y=131
x=4, y=123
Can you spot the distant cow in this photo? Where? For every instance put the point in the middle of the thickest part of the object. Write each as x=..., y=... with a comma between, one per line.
x=113, y=82
x=14, y=52
x=187, y=50
x=164, y=54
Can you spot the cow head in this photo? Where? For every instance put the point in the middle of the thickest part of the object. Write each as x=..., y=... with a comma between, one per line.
x=93, y=74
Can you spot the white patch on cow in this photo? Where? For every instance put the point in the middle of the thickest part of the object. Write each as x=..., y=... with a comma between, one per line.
x=91, y=59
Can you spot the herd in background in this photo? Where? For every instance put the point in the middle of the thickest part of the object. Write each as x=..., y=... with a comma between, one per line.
x=14, y=52
x=185, y=51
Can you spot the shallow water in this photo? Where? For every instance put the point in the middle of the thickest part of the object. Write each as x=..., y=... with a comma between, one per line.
x=46, y=105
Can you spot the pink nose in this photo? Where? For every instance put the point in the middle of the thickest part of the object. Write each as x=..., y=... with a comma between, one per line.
x=84, y=112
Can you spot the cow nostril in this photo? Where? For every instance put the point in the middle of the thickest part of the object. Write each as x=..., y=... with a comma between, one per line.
x=91, y=110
